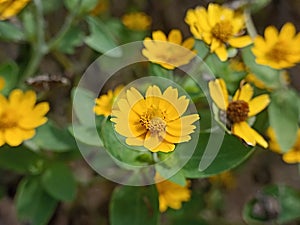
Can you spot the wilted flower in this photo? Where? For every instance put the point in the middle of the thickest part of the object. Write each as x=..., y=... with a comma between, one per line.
x=171, y=194
x=292, y=155
x=138, y=21
x=19, y=116
x=156, y=121
x=169, y=52
x=105, y=102
x=278, y=50
x=218, y=27
x=9, y=8
x=235, y=113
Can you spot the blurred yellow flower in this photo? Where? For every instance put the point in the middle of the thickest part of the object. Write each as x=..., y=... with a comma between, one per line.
x=19, y=116
x=236, y=112
x=292, y=155
x=169, y=52
x=105, y=102
x=278, y=50
x=2, y=83
x=101, y=7
x=138, y=21
x=218, y=27
x=156, y=121
x=9, y=8
x=225, y=179
x=170, y=194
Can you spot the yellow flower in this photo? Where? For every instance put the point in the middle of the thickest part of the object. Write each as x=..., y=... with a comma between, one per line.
x=105, y=102
x=292, y=155
x=170, y=194
x=169, y=52
x=156, y=121
x=218, y=27
x=9, y=8
x=235, y=112
x=278, y=50
x=19, y=116
x=138, y=21
x=2, y=83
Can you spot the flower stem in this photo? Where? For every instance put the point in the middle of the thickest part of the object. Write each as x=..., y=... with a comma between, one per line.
x=249, y=24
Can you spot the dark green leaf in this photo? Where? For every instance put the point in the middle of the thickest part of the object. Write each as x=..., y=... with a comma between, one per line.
x=19, y=159
x=33, y=204
x=10, y=32
x=73, y=38
x=231, y=153
x=29, y=25
x=101, y=39
x=9, y=71
x=59, y=182
x=134, y=206
x=52, y=138
x=86, y=135
x=83, y=6
x=283, y=115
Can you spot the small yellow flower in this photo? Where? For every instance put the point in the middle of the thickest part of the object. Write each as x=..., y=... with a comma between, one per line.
x=156, y=121
x=278, y=50
x=2, y=83
x=105, y=102
x=9, y=8
x=235, y=112
x=169, y=52
x=19, y=116
x=292, y=155
x=137, y=21
x=170, y=194
x=218, y=27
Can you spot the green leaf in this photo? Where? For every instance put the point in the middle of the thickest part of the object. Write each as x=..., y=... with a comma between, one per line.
x=9, y=71
x=83, y=6
x=287, y=198
x=283, y=116
x=85, y=135
x=177, y=178
x=29, y=24
x=59, y=182
x=52, y=138
x=270, y=77
x=19, y=159
x=159, y=71
x=51, y=6
x=101, y=39
x=83, y=105
x=257, y=5
x=33, y=204
x=10, y=32
x=134, y=206
x=73, y=38
x=232, y=152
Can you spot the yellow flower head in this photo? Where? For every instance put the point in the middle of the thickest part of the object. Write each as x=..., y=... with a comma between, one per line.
x=235, y=112
x=278, y=50
x=2, y=83
x=19, y=116
x=138, y=21
x=156, y=121
x=170, y=194
x=218, y=27
x=105, y=102
x=292, y=155
x=9, y=8
x=169, y=52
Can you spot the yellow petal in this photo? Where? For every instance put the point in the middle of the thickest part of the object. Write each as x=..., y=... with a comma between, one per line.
x=152, y=141
x=245, y=93
x=135, y=141
x=159, y=36
x=292, y=156
x=175, y=36
x=189, y=43
x=221, y=52
x=258, y=104
x=13, y=136
x=133, y=96
x=287, y=32
x=218, y=93
x=240, y=42
x=164, y=146
x=243, y=130
x=271, y=35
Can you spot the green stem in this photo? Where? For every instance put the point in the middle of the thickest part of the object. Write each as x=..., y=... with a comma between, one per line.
x=38, y=47
x=249, y=24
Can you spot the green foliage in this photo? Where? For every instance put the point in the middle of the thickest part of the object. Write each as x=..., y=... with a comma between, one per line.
x=33, y=204
x=9, y=71
x=10, y=32
x=134, y=205
x=73, y=38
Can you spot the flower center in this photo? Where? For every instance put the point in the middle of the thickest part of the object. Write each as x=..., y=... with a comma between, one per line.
x=153, y=120
x=156, y=125
x=8, y=120
x=278, y=52
x=222, y=31
x=237, y=111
